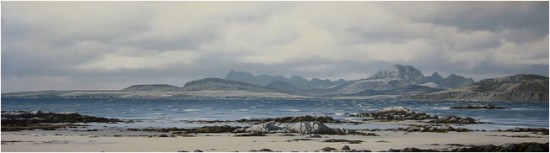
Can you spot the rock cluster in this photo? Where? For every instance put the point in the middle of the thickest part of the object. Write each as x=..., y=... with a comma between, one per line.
x=402, y=113
x=204, y=129
x=396, y=113
x=543, y=131
x=306, y=118
x=315, y=127
x=433, y=128
x=455, y=120
x=25, y=117
x=478, y=107
x=25, y=120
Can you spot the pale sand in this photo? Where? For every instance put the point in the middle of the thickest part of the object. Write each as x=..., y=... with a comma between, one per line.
x=227, y=142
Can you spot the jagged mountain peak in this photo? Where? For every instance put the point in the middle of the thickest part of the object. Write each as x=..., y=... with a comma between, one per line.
x=404, y=72
x=436, y=75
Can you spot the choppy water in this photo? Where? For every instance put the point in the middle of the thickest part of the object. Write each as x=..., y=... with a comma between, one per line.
x=170, y=112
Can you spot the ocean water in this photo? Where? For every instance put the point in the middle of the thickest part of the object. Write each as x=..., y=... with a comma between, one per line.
x=177, y=112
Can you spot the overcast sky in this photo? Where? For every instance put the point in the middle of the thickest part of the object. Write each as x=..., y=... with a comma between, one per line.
x=112, y=45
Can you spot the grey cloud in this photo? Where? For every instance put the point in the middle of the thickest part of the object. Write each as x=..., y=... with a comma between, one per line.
x=48, y=42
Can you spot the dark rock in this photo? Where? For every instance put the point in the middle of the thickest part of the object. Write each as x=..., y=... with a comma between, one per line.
x=344, y=140
x=346, y=148
x=535, y=148
x=250, y=134
x=328, y=149
x=522, y=147
x=36, y=117
x=509, y=148
x=306, y=118
x=265, y=150
x=213, y=129
x=478, y=107
x=163, y=135
x=396, y=113
x=394, y=150
x=543, y=131
x=197, y=150
x=455, y=120
x=433, y=128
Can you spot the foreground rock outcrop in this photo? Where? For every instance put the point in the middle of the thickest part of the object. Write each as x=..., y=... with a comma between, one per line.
x=299, y=127
x=306, y=118
x=522, y=147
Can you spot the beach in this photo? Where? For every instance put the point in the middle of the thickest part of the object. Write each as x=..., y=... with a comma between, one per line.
x=52, y=141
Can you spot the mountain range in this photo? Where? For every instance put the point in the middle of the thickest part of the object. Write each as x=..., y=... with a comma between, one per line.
x=397, y=81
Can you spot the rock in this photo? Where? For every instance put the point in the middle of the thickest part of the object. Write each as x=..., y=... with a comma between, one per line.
x=306, y=118
x=509, y=148
x=344, y=140
x=250, y=134
x=163, y=135
x=346, y=148
x=265, y=150
x=478, y=107
x=455, y=120
x=197, y=150
x=434, y=128
x=300, y=127
x=37, y=117
x=488, y=148
x=395, y=113
x=522, y=147
x=535, y=148
x=328, y=149
x=393, y=150
x=213, y=129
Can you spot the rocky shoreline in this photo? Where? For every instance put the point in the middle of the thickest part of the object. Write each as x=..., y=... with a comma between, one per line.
x=299, y=129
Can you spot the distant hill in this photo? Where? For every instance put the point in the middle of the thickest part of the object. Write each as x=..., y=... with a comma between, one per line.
x=222, y=84
x=285, y=87
x=453, y=81
x=296, y=81
x=151, y=87
x=521, y=87
x=407, y=90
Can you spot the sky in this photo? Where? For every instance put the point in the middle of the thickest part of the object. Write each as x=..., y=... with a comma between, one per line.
x=112, y=45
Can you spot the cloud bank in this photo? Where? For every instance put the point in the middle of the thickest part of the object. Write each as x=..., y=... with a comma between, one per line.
x=111, y=45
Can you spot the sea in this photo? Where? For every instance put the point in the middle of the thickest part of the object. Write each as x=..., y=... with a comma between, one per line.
x=184, y=113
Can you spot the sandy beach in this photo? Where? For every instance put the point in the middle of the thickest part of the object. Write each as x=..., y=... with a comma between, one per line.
x=51, y=141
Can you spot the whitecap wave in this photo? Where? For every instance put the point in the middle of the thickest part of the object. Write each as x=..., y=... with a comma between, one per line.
x=191, y=110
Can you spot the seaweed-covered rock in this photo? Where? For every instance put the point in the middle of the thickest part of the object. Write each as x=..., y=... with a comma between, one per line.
x=522, y=147
x=478, y=107
x=35, y=117
x=344, y=140
x=433, y=128
x=455, y=120
x=306, y=118
x=543, y=131
x=396, y=113
x=213, y=129
x=300, y=127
